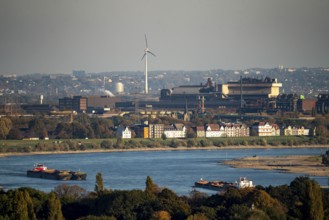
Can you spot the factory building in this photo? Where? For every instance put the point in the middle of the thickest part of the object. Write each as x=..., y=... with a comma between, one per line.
x=102, y=102
x=77, y=103
x=248, y=94
x=322, y=104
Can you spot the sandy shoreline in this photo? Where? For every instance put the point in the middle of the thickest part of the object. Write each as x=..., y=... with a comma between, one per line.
x=161, y=149
x=306, y=164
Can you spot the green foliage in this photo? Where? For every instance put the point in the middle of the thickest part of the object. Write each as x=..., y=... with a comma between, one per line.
x=258, y=215
x=325, y=158
x=164, y=136
x=119, y=143
x=302, y=199
x=5, y=126
x=20, y=211
x=173, y=143
x=93, y=217
x=190, y=143
x=307, y=199
x=150, y=186
x=99, y=186
x=205, y=142
x=272, y=207
x=106, y=144
x=172, y=203
x=263, y=142
x=161, y=215
x=53, y=209
x=238, y=211
x=70, y=192
x=29, y=203
x=198, y=216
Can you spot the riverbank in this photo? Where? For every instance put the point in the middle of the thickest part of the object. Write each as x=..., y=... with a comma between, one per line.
x=308, y=165
x=181, y=148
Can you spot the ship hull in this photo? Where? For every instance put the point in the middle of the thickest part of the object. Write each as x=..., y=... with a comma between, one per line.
x=57, y=175
x=210, y=186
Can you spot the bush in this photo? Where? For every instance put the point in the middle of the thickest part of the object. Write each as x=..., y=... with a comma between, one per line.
x=106, y=144
x=263, y=142
x=325, y=158
x=173, y=143
x=190, y=143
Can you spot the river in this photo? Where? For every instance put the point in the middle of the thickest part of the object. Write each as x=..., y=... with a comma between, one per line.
x=176, y=170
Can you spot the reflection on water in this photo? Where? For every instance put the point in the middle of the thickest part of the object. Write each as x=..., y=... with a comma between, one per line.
x=177, y=170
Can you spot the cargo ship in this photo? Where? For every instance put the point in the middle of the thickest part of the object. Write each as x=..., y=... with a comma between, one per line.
x=41, y=171
x=220, y=185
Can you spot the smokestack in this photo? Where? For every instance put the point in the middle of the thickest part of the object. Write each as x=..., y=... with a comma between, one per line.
x=202, y=104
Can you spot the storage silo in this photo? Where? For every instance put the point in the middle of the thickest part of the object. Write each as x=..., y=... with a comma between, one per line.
x=119, y=87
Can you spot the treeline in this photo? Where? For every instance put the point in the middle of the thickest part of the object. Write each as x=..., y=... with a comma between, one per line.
x=302, y=199
x=9, y=146
x=84, y=126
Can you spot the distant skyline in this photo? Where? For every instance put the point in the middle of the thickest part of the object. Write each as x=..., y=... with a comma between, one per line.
x=45, y=36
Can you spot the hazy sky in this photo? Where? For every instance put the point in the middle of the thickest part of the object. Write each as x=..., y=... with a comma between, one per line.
x=58, y=36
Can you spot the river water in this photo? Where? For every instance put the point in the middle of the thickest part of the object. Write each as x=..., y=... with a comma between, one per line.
x=176, y=170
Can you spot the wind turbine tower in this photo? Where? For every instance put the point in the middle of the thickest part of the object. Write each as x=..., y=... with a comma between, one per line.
x=146, y=51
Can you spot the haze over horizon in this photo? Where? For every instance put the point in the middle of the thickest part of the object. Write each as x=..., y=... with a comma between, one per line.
x=44, y=36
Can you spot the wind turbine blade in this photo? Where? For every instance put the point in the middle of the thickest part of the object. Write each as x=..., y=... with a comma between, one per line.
x=151, y=53
x=143, y=56
x=145, y=41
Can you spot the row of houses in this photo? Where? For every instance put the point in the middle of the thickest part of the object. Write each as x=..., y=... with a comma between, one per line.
x=179, y=130
x=222, y=130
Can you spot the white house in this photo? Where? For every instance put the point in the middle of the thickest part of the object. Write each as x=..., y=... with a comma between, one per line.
x=234, y=130
x=297, y=131
x=123, y=132
x=213, y=130
x=266, y=129
x=175, y=131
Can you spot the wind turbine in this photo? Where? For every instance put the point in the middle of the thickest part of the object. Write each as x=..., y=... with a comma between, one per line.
x=146, y=51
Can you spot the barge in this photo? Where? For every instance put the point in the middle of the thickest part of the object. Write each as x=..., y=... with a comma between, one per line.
x=41, y=171
x=219, y=185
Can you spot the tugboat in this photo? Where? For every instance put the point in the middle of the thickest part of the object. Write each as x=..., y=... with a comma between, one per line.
x=41, y=171
x=244, y=183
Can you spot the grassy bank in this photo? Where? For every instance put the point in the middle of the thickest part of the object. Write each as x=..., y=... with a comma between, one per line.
x=94, y=145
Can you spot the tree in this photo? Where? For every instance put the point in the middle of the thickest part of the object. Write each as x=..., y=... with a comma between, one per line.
x=175, y=205
x=190, y=133
x=99, y=186
x=20, y=207
x=198, y=216
x=325, y=158
x=53, y=209
x=5, y=126
x=190, y=143
x=37, y=127
x=107, y=144
x=151, y=187
x=73, y=192
x=161, y=215
x=238, y=211
x=118, y=143
x=164, y=136
x=272, y=207
x=307, y=199
x=14, y=134
x=29, y=204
